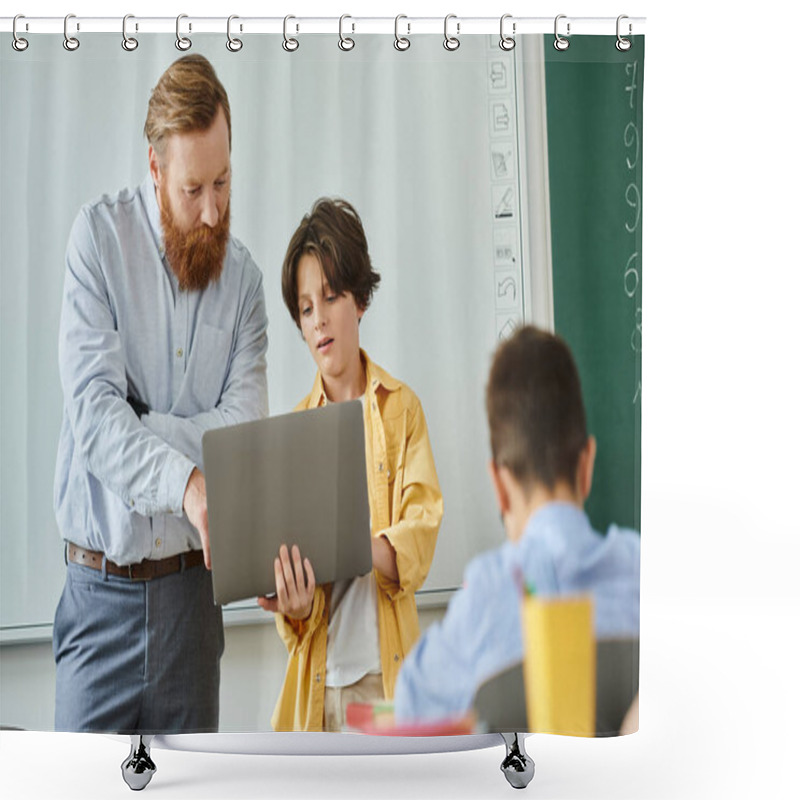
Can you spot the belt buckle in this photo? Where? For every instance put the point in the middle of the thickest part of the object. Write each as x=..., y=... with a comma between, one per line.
x=132, y=576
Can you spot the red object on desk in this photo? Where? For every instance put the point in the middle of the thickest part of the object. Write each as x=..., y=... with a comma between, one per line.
x=367, y=718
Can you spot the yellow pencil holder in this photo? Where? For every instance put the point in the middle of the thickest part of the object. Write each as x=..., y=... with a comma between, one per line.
x=559, y=665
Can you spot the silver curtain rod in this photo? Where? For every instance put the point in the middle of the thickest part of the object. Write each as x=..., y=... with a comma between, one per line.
x=347, y=25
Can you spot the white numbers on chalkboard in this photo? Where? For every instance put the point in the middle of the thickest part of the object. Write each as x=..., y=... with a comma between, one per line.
x=633, y=199
x=631, y=276
x=636, y=336
x=631, y=140
x=631, y=279
x=631, y=69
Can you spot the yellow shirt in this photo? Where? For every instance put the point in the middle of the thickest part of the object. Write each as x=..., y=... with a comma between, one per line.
x=405, y=505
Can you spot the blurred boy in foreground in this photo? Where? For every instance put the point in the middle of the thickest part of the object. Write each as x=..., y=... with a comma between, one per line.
x=541, y=470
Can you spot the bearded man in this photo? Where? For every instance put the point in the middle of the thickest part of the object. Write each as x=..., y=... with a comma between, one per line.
x=163, y=336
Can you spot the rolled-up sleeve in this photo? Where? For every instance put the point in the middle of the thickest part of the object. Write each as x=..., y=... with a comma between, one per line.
x=419, y=514
x=296, y=634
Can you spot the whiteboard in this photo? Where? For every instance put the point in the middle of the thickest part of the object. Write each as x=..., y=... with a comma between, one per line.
x=433, y=148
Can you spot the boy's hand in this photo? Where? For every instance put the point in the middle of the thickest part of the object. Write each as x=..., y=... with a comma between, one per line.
x=384, y=558
x=295, y=589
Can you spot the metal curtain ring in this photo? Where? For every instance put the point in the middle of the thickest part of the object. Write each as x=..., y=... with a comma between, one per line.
x=129, y=43
x=623, y=44
x=289, y=44
x=560, y=42
x=18, y=43
x=181, y=42
x=345, y=42
x=233, y=44
x=451, y=42
x=401, y=42
x=507, y=42
x=70, y=42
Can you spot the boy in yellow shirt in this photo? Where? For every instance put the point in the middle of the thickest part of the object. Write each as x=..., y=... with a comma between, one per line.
x=347, y=640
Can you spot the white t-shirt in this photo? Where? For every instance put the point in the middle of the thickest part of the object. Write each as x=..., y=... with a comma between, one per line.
x=353, y=647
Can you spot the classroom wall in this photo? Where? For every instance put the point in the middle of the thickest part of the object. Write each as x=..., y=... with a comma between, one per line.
x=252, y=673
x=413, y=153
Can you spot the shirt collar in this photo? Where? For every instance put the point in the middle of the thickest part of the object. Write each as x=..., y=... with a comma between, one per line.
x=148, y=190
x=559, y=515
x=376, y=376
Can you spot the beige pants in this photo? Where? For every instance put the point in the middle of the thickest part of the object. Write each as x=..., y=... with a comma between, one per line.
x=368, y=690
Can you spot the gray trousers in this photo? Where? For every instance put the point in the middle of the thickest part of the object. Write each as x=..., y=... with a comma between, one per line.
x=137, y=656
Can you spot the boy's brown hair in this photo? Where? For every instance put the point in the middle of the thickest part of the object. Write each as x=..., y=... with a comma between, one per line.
x=537, y=421
x=186, y=98
x=332, y=231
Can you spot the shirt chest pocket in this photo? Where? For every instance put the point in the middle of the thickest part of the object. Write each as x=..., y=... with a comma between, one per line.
x=206, y=371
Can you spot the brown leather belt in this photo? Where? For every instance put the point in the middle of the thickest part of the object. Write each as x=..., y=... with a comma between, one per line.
x=143, y=571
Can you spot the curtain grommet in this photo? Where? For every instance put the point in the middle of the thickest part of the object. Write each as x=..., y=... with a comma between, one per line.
x=507, y=43
x=346, y=43
x=401, y=43
x=233, y=44
x=560, y=43
x=183, y=43
x=289, y=43
x=451, y=43
x=71, y=43
x=622, y=44
x=19, y=43
x=129, y=43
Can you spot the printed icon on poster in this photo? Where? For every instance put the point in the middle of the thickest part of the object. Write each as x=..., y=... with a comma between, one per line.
x=506, y=325
x=506, y=290
x=498, y=75
x=504, y=202
x=503, y=168
x=505, y=247
x=501, y=116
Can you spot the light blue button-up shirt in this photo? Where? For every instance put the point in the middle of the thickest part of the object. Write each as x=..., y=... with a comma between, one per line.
x=197, y=359
x=481, y=634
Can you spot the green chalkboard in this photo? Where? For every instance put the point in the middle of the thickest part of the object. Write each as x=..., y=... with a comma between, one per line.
x=594, y=131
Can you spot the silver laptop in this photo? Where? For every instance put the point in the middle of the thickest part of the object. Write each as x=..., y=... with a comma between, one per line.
x=299, y=479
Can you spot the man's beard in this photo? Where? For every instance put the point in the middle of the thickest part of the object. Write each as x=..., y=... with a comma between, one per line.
x=196, y=256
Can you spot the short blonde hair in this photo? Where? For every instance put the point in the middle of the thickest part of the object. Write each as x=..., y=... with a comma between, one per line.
x=186, y=98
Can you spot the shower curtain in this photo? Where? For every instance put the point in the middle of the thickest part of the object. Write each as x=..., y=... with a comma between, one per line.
x=497, y=186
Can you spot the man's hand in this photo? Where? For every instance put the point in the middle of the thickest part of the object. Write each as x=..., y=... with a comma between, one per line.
x=196, y=510
x=295, y=589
